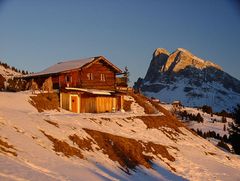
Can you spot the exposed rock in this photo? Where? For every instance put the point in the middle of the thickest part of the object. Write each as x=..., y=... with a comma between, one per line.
x=181, y=58
x=158, y=61
x=196, y=82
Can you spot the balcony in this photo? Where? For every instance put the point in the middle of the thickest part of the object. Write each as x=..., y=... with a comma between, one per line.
x=121, y=83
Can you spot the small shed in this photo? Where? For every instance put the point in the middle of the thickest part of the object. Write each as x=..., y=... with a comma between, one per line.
x=81, y=100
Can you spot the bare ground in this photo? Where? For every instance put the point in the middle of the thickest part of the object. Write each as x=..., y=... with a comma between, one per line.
x=63, y=147
x=143, y=102
x=6, y=148
x=129, y=153
x=45, y=101
x=52, y=123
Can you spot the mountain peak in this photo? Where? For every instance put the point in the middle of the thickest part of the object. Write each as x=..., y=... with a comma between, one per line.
x=182, y=58
x=183, y=50
x=195, y=82
x=160, y=51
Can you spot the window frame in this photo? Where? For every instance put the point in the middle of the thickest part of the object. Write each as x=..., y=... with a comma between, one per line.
x=68, y=78
x=102, y=77
x=90, y=76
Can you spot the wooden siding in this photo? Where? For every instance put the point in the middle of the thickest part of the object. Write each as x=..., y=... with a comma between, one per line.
x=55, y=80
x=73, y=76
x=97, y=69
x=79, y=78
x=64, y=99
x=86, y=103
x=105, y=104
x=98, y=104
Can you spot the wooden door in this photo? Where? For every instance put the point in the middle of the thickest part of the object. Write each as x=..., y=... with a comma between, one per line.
x=74, y=100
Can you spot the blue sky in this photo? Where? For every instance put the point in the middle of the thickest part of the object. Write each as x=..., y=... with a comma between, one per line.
x=35, y=34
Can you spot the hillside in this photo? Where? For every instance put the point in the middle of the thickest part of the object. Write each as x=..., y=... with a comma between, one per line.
x=192, y=80
x=6, y=73
x=134, y=145
x=216, y=124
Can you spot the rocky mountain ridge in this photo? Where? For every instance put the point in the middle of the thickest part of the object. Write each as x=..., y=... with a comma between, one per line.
x=196, y=82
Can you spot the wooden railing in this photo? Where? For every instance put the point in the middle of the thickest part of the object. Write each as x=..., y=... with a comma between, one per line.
x=121, y=82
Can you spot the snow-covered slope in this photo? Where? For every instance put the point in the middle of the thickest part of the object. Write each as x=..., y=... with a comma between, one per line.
x=211, y=122
x=8, y=73
x=183, y=76
x=108, y=146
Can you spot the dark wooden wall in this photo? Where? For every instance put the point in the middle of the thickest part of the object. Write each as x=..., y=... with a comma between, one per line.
x=80, y=79
x=97, y=69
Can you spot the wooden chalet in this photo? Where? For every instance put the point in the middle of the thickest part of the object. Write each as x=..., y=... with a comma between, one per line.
x=85, y=85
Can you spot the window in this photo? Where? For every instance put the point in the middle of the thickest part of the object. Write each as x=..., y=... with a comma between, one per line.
x=68, y=78
x=102, y=78
x=90, y=76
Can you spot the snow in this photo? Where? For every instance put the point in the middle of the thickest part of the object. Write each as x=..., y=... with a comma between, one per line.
x=210, y=97
x=208, y=124
x=8, y=73
x=92, y=91
x=20, y=124
x=64, y=66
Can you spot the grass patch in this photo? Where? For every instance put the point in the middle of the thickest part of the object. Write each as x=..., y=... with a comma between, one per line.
x=143, y=102
x=6, y=148
x=106, y=119
x=52, y=123
x=63, y=147
x=45, y=101
x=84, y=144
x=162, y=109
x=161, y=121
x=127, y=105
x=156, y=122
x=129, y=153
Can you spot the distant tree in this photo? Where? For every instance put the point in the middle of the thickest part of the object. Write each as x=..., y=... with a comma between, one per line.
x=224, y=127
x=199, y=132
x=225, y=138
x=207, y=109
x=205, y=135
x=224, y=119
x=234, y=130
x=222, y=144
x=199, y=118
x=224, y=114
x=16, y=85
x=138, y=84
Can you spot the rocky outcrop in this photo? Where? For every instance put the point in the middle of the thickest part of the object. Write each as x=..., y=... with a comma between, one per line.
x=160, y=57
x=182, y=58
x=196, y=82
